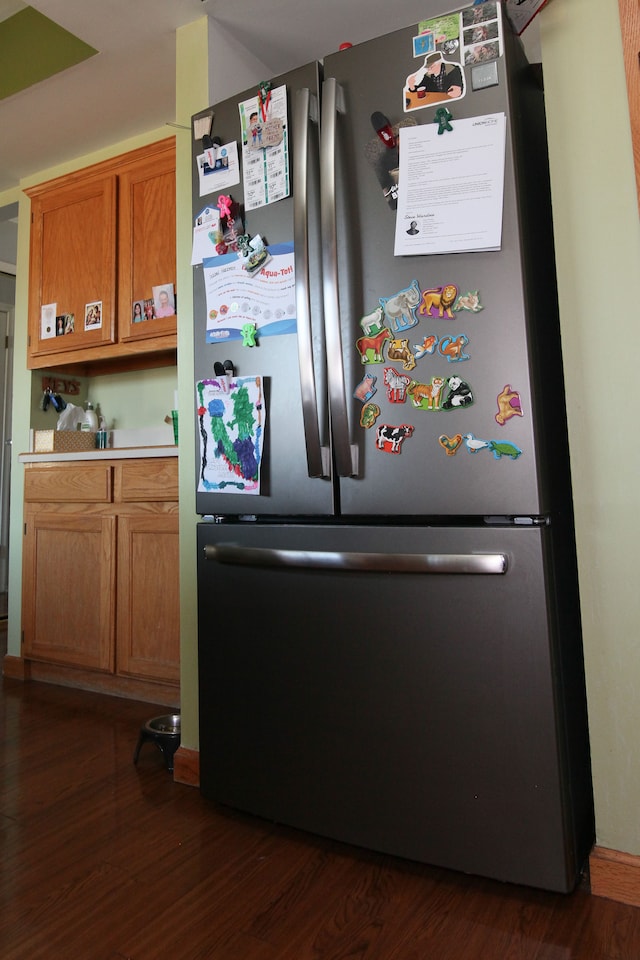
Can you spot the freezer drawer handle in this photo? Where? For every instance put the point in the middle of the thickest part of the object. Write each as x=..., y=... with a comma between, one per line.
x=456, y=563
x=346, y=453
x=306, y=112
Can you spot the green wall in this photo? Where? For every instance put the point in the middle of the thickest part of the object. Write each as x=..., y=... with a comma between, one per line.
x=598, y=251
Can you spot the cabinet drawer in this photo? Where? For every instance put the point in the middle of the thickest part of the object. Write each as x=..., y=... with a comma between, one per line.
x=153, y=479
x=75, y=483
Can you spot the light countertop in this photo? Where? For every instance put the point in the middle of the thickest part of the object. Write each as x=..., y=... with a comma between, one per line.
x=110, y=453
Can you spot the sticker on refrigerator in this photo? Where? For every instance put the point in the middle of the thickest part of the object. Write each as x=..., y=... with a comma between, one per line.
x=499, y=448
x=236, y=298
x=509, y=405
x=450, y=444
x=481, y=33
x=265, y=147
x=231, y=416
x=390, y=439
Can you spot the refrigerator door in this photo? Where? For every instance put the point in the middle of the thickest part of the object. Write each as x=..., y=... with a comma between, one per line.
x=398, y=689
x=296, y=458
x=503, y=336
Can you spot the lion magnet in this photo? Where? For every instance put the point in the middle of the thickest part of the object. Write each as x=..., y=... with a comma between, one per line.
x=438, y=302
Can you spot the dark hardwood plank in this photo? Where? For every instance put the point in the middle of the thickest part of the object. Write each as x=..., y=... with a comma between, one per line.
x=104, y=860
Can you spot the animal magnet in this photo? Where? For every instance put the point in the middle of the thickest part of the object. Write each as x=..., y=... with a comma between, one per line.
x=453, y=348
x=426, y=396
x=468, y=301
x=400, y=310
x=450, y=444
x=459, y=394
x=373, y=322
x=499, y=448
x=369, y=414
x=371, y=348
x=438, y=301
x=508, y=405
x=366, y=388
x=427, y=346
x=390, y=439
x=399, y=350
x=396, y=384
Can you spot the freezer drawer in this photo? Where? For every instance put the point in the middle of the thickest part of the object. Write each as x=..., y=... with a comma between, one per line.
x=410, y=697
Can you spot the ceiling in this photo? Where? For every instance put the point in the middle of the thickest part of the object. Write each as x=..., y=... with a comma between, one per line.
x=128, y=87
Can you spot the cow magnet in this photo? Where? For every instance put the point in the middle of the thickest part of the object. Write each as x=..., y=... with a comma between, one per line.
x=390, y=439
x=450, y=444
x=508, y=405
x=396, y=384
x=366, y=388
x=400, y=310
x=369, y=414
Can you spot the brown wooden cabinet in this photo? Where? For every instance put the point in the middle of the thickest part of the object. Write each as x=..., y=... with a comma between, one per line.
x=105, y=234
x=100, y=572
x=630, y=24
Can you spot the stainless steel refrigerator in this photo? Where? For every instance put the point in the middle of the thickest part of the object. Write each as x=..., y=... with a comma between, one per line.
x=389, y=631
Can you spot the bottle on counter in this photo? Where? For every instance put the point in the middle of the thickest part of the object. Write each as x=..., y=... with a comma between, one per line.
x=101, y=435
x=90, y=420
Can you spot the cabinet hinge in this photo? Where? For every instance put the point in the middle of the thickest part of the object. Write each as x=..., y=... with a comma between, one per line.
x=25, y=529
x=29, y=340
x=22, y=638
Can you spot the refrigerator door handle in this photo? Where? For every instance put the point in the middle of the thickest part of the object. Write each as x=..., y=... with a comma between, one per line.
x=346, y=453
x=305, y=112
x=427, y=563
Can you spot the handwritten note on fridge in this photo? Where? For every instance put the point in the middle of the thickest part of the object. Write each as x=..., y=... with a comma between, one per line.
x=451, y=186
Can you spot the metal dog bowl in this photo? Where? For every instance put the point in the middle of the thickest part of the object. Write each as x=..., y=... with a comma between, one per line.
x=164, y=731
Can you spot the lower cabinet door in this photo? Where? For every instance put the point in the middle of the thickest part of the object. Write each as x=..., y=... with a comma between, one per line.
x=69, y=605
x=148, y=615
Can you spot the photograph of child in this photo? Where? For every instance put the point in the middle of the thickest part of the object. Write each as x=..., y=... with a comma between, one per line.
x=93, y=315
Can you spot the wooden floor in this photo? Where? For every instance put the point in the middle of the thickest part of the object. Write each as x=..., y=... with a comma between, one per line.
x=101, y=860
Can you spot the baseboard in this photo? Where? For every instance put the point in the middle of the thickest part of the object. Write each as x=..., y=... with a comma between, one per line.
x=186, y=767
x=15, y=668
x=131, y=688
x=615, y=875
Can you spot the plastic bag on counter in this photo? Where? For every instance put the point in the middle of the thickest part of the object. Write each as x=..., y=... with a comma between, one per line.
x=70, y=418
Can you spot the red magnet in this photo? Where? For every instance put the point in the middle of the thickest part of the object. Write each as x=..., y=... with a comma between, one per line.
x=383, y=128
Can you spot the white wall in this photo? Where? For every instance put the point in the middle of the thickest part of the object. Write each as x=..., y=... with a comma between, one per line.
x=598, y=255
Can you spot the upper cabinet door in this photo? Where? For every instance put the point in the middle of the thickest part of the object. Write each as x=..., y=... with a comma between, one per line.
x=146, y=240
x=630, y=23
x=73, y=266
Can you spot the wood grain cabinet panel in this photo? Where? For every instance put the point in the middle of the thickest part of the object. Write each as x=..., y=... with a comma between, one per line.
x=630, y=24
x=148, y=597
x=100, y=569
x=104, y=234
x=69, y=597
